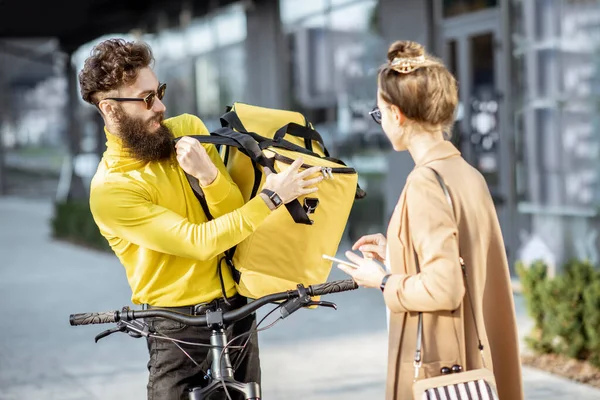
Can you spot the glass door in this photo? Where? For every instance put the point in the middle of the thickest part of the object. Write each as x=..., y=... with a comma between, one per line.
x=472, y=59
x=472, y=51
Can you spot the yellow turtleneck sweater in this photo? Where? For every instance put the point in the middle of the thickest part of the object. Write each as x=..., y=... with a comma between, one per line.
x=156, y=226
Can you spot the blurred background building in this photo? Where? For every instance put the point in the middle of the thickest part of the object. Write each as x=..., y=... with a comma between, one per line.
x=528, y=115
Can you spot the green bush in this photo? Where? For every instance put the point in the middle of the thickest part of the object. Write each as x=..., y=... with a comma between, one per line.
x=73, y=222
x=591, y=321
x=530, y=276
x=533, y=281
x=566, y=309
x=566, y=299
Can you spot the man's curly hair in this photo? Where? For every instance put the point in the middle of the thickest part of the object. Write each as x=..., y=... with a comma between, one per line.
x=112, y=63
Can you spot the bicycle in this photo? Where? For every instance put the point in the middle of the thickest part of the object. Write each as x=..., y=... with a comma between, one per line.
x=220, y=374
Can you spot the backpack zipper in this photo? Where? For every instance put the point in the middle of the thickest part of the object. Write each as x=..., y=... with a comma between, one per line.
x=326, y=171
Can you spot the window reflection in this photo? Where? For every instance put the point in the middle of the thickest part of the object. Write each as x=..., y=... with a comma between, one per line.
x=341, y=2
x=232, y=82
x=200, y=37
x=452, y=8
x=354, y=17
x=220, y=73
x=220, y=80
x=332, y=50
x=230, y=26
x=207, y=88
x=294, y=10
x=177, y=73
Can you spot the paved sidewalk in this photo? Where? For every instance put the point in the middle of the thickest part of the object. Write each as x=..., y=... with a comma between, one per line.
x=317, y=354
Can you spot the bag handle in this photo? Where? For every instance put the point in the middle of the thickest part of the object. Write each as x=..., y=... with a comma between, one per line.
x=418, y=361
x=303, y=132
x=231, y=120
x=247, y=143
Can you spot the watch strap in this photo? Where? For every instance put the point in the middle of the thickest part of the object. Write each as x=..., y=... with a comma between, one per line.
x=274, y=197
x=384, y=281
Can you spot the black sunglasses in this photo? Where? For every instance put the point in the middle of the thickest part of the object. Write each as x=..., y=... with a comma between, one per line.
x=376, y=115
x=148, y=99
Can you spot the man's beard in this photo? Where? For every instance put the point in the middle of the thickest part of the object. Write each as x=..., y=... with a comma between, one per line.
x=140, y=141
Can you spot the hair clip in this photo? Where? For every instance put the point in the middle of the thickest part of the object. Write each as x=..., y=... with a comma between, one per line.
x=405, y=65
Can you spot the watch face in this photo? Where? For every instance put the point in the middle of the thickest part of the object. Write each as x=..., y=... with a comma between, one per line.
x=276, y=199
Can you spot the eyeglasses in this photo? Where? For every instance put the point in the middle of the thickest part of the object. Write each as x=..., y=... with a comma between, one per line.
x=376, y=115
x=149, y=99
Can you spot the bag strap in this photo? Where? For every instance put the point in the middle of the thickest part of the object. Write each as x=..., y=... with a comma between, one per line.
x=195, y=184
x=418, y=361
x=228, y=258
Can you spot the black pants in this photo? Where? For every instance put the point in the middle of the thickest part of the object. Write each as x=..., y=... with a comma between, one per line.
x=172, y=372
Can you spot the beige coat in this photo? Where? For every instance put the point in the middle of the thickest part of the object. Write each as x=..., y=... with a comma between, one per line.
x=424, y=221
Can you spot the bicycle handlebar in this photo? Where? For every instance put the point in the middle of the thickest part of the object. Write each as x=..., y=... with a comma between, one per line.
x=228, y=317
x=331, y=287
x=94, y=318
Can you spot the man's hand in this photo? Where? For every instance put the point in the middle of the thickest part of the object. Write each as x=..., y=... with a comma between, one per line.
x=193, y=159
x=289, y=184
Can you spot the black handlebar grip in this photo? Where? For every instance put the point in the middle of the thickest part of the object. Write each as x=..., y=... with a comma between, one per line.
x=94, y=318
x=332, y=287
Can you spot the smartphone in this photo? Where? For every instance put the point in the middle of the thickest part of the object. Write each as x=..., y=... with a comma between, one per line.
x=348, y=263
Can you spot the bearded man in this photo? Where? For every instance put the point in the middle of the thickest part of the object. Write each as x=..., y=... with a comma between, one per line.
x=144, y=206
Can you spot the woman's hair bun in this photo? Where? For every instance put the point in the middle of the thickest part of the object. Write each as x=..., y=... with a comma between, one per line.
x=405, y=49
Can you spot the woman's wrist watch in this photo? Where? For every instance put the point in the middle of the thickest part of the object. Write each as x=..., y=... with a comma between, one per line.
x=274, y=197
x=384, y=281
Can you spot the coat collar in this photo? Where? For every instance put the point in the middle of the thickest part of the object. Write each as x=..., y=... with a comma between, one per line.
x=439, y=151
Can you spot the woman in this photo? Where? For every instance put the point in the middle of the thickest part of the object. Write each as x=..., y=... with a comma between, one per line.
x=416, y=102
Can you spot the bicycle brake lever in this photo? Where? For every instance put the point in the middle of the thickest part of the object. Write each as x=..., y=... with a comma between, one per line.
x=134, y=329
x=106, y=333
x=323, y=304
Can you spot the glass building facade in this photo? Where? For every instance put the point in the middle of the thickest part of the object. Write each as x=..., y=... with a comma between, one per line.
x=527, y=77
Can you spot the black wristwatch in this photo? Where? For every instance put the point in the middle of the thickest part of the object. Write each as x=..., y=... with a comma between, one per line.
x=274, y=197
x=383, y=282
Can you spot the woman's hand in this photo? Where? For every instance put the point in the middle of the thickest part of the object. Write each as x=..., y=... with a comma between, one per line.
x=372, y=246
x=369, y=272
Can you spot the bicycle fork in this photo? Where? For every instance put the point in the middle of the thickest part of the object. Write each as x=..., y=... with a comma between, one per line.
x=223, y=372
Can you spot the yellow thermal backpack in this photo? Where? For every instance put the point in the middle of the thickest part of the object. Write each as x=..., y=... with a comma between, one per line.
x=287, y=248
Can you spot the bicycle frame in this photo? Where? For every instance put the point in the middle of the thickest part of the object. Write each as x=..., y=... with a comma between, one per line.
x=221, y=373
